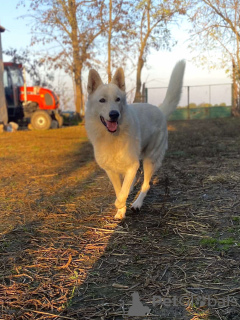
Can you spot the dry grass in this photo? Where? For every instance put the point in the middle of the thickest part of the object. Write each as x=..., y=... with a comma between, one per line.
x=62, y=256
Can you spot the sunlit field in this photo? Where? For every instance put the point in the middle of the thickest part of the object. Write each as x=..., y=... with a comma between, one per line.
x=63, y=256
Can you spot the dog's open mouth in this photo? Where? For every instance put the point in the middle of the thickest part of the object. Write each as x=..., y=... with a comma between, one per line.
x=110, y=125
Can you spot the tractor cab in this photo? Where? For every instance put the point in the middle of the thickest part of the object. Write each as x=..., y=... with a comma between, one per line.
x=13, y=81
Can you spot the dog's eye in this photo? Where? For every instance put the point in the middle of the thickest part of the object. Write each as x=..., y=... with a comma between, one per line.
x=118, y=99
x=102, y=100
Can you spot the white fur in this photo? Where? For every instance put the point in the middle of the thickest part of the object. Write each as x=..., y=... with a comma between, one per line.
x=141, y=133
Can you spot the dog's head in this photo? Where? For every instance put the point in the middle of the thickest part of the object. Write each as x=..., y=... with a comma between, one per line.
x=107, y=101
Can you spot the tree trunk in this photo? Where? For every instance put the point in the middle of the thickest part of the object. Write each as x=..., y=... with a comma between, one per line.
x=77, y=62
x=138, y=95
x=78, y=84
x=79, y=92
x=109, y=42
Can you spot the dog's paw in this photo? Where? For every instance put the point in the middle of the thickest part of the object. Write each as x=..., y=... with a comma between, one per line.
x=136, y=206
x=120, y=213
x=135, y=209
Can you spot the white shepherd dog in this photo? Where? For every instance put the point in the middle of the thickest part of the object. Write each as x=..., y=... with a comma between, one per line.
x=123, y=134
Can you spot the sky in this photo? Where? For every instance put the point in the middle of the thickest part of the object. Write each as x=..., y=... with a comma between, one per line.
x=159, y=66
x=17, y=33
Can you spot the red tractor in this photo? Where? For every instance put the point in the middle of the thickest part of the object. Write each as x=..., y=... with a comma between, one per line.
x=37, y=105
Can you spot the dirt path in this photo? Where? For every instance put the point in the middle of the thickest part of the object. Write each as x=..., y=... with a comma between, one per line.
x=62, y=256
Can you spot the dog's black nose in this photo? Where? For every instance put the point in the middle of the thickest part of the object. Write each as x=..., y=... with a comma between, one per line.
x=114, y=114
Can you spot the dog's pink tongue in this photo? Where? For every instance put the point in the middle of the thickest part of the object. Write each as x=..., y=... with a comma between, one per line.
x=112, y=126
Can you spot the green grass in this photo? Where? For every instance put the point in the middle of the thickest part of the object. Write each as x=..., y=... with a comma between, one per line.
x=219, y=244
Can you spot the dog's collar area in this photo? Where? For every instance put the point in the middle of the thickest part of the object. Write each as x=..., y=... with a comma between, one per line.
x=110, y=125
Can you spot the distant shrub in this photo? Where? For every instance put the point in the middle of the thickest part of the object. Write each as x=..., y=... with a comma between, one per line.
x=70, y=119
x=204, y=105
x=192, y=105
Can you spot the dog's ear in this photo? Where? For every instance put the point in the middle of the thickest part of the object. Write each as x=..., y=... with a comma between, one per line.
x=94, y=80
x=119, y=79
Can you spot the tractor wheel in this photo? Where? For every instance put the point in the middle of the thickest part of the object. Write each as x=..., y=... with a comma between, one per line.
x=41, y=120
x=59, y=120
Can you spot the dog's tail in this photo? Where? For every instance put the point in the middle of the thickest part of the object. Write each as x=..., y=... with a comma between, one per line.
x=174, y=90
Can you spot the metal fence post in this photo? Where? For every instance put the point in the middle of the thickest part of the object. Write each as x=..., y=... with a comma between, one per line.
x=210, y=94
x=144, y=93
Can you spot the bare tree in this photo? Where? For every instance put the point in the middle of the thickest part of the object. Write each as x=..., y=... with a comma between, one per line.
x=152, y=30
x=119, y=22
x=216, y=35
x=70, y=27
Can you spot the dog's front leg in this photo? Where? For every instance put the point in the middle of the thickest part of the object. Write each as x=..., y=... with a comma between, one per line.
x=116, y=181
x=120, y=202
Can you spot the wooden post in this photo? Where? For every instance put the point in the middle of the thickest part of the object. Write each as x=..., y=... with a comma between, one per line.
x=235, y=108
x=3, y=107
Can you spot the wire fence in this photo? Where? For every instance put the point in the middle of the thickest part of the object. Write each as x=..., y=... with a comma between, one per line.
x=194, y=96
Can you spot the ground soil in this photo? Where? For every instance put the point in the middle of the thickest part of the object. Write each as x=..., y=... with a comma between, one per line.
x=63, y=256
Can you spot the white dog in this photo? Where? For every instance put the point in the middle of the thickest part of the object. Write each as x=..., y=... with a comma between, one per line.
x=124, y=134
